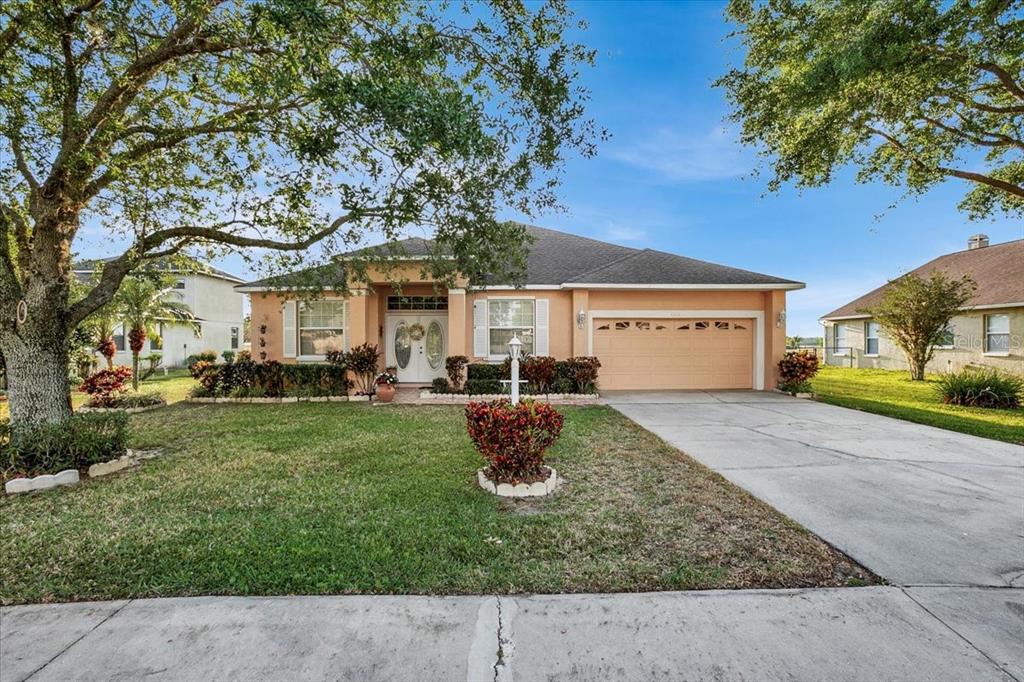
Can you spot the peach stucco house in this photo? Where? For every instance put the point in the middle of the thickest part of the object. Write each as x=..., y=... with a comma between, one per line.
x=655, y=320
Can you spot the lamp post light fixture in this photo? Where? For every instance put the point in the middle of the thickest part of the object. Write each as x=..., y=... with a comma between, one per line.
x=515, y=347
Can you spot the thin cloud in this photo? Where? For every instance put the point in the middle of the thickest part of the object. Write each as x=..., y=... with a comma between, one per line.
x=678, y=157
x=623, y=233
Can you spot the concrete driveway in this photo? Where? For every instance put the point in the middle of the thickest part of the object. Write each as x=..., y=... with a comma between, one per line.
x=916, y=504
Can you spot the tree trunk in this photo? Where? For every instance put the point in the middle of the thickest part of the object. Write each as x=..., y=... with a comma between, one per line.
x=916, y=367
x=135, y=370
x=38, y=391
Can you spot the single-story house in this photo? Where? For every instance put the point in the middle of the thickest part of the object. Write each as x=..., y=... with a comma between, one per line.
x=208, y=292
x=654, y=320
x=990, y=331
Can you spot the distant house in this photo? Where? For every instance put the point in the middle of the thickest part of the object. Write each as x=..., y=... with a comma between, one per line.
x=210, y=295
x=989, y=332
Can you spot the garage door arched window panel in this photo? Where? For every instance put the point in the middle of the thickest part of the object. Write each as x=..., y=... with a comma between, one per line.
x=700, y=324
x=621, y=326
x=642, y=325
x=683, y=328
x=738, y=327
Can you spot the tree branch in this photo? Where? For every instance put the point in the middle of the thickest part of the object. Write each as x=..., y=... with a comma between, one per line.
x=22, y=164
x=1000, y=141
x=1005, y=78
x=956, y=173
x=114, y=271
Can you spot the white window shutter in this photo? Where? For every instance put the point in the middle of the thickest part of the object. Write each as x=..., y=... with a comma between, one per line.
x=288, y=325
x=480, y=341
x=540, y=334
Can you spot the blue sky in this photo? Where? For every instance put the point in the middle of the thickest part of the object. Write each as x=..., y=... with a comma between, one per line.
x=672, y=178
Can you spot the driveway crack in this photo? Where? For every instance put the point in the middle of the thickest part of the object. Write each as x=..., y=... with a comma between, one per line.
x=955, y=632
x=78, y=639
x=503, y=657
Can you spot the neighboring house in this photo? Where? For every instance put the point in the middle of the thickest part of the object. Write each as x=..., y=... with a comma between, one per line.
x=990, y=332
x=209, y=294
x=655, y=320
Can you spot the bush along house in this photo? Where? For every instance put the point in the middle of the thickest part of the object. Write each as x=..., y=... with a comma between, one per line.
x=655, y=320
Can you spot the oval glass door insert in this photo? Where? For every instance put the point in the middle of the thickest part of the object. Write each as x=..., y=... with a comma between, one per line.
x=434, y=345
x=403, y=345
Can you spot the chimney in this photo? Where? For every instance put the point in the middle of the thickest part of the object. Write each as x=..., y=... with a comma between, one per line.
x=977, y=241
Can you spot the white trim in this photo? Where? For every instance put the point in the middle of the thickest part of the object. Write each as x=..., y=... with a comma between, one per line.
x=525, y=287
x=994, y=306
x=700, y=287
x=824, y=320
x=456, y=291
x=756, y=315
x=867, y=355
x=487, y=323
x=996, y=355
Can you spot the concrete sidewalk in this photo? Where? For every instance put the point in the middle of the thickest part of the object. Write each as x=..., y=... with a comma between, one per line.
x=874, y=633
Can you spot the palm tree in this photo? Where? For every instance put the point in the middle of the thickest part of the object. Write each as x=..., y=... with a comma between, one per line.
x=103, y=323
x=142, y=303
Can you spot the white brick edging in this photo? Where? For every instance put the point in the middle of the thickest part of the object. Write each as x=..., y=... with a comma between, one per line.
x=278, y=401
x=126, y=410
x=537, y=489
x=462, y=398
x=44, y=482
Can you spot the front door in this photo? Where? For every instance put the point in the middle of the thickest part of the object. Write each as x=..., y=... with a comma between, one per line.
x=417, y=345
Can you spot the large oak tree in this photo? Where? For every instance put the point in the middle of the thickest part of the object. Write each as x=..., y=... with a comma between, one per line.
x=912, y=92
x=264, y=126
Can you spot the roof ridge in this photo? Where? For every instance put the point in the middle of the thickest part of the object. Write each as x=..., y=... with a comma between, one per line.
x=634, y=254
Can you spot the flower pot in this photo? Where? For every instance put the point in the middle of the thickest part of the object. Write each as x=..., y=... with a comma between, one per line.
x=385, y=393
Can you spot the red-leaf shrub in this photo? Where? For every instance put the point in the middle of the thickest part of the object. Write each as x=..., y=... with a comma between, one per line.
x=796, y=369
x=512, y=438
x=207, y=373
x=105, y=384
x=539, y=370
x=583, y=371
x=106, y=347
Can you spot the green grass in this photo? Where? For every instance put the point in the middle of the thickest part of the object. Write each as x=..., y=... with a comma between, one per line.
x=893, y=394
x=335, y=498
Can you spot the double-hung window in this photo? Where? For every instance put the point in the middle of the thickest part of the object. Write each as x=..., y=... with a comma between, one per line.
x=997, y=333
x=839, y=338
x=946, y=338
x=871, y=338
x=234, y=338
x=507, y=317
x=321, y=327
x=119, y=337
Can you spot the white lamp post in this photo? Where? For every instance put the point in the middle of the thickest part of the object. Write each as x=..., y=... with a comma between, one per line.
x=514, y=347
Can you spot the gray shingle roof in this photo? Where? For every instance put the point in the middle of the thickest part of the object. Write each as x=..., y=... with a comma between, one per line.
x=559, y=258
x=87, y=267
x=998, y=270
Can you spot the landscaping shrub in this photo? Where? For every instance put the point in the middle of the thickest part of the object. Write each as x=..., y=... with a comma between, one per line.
x=981, y=387
x=104, y=386
x=83, y=440
x=481, y=371
x=440, y=385
x=583, y=371
x=228, y=356
x=244, y=378
x=206, y=356
x=539, y=371
x=129, y=401
x=796, y=370
x=362, y=361
x=455, y=366
x=513, y=438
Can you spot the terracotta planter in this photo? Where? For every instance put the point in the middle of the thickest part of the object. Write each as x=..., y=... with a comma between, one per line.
x=385, y=393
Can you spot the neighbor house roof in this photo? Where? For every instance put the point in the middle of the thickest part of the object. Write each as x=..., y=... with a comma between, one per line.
x=560, y=259
x=998, y=270
x=168, y=265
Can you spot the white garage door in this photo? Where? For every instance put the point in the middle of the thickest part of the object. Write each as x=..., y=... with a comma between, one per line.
x=640, y=353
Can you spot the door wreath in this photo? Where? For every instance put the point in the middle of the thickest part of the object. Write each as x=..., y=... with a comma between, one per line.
x=416, y=331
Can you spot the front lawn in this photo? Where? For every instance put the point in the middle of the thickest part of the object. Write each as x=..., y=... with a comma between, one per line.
x=893, y=394
x=335, y=498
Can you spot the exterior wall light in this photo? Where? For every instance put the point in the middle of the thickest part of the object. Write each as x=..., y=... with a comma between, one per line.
x=780, y=319
x=581, y=318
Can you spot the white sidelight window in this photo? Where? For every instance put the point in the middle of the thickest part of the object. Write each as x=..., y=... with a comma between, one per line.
x=997, y=333
x=871, y=337
x=507, y=317
x=321, y=327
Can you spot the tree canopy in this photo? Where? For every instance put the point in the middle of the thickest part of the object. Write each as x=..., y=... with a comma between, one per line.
x=915, y=312
x=912, y=92
x=280, y=124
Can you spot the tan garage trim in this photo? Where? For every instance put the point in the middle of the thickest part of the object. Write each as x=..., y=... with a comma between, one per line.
x=756, y=344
